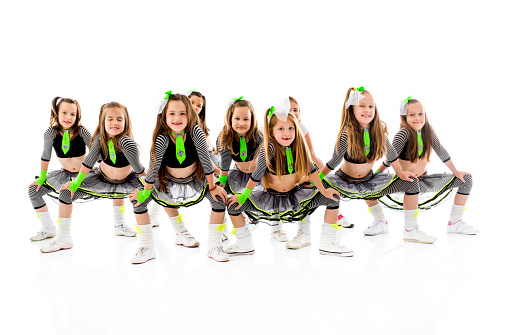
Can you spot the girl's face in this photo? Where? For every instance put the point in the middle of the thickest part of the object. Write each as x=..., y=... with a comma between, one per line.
x=241, y=120
x=284, y=132
x=415, y=115
x=197, y=103
x=176, y=116
x=115, y=121
x=295, y=109
x=67, y=114
x=365, y=111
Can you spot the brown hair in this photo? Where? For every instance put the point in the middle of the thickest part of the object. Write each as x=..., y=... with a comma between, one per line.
x=427, y=137
x=54, y=116
x=162, y=128
x=378, y=133
x=302, y=158
x=227, y=135
x=202, y=113
x=101, y=128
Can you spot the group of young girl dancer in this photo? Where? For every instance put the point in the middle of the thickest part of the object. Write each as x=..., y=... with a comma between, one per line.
x=276, y=177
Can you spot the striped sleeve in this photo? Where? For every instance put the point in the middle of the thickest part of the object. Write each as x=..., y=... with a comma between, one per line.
x=130, y=150
x=94, y=154
x=48, y=139
x=399, y=141
x=199, y=138
x=439, y=149
x=160, y=146
x=314, y=167
x=226, y=156
x=261, y=167
x=85, y=135
x=340, y=153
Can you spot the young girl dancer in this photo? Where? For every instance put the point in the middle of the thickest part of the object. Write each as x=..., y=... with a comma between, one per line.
x=361, y=141
x=181, y=164
x=115, y=178
x=413, y=144
x=284, y=162
x=240, y=141
x=69, y=139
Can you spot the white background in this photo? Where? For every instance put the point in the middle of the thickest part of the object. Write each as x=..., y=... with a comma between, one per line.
x=457, y=57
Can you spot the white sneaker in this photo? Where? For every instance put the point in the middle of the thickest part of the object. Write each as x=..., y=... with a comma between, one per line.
x=300, y=240
x=344, y=222
x=217, y=254
x=336, y=249
x=58, y=244
x=186, y=239
x=461, y=227
x=237, y=249
x=279, y=235
x=143, y=255
x=376, y=228
x=44, y=234
x=123, y=230
x=418, y=236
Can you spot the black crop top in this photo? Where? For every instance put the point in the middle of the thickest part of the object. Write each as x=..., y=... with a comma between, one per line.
x=128, y=155
x=227, y=156
x=52, y=138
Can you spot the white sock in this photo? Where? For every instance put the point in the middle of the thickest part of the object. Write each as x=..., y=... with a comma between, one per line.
x=45, y=220
x=63, y=228
x=410, y=221
x=177, y=224
x=277, y=227
x=456, y=213
x=145, y=236
x=377, y=213
x=118, y=215
x=215, y=235
x=328, y=233
x=242, y=232
x=305, y=225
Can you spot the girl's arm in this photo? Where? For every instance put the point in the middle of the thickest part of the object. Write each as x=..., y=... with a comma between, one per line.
x=458, y=174
x=315, y=158
x=226, y=161
x=337, y=156
x=85, y=135
x=48, y=139
x=393, y=159
x=130, y=149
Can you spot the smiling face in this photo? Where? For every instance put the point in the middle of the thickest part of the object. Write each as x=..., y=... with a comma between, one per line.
x=67, y=115
x=365, y=111
x=197, y=103
x=415, y=115
x=284, y=132
x=241, y=120
x=176, y=117
x=295, y=109
x=114, y=121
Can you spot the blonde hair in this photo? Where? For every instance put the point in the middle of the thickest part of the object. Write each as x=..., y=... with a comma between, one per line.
x=101, y=128
x=227, y=135
x=377, y=129
x=161, y=128
x=412, y=144
x=302, y=158
x=54, y=116
x=202, y=112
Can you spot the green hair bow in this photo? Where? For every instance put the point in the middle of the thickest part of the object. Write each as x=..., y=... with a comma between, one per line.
x=271, y=111
x=167, y=95
x=238, y=99
x=407, y=99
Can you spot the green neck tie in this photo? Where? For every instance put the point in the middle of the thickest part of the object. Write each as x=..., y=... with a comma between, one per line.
x=180, y=147
x=244, y=149
x=366, y=139
x=420, y=142
x=289, y=155
x=65, y=144
x=113, y=153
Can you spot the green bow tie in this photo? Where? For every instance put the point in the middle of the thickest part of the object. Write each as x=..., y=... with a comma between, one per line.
x=65, y=144
x=366, y=139
x=112, y=152
x=244, y=149
x=289, y=155
x=420, y=142
x=180, y=147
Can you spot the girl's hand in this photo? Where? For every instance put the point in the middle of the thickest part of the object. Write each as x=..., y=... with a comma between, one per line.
x=407, y=176
x=219, y=192
x=217, y=171
x=232, y=200
x=332, y=194
x=461, y=174
x=133, y=196
x=34, y=184
x=67, y=187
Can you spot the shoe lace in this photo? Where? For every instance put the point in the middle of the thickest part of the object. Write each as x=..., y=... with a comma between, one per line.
x=140, y=251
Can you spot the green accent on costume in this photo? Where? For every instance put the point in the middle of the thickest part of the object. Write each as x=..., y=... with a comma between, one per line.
x=321, y=175
x=42, y=177
x=112, y=152
x=271, y=111
x=420, y=142
x=244, y=195
x=223, y=179
x=376, y=171
x=74, y=184
x=167, y=95
x=366, y=139
x=407, y=99
x=143, y=195
x=180, y=147
x=360, y=89
x=289, y=156
x=65, y=143
x=221, y=227
x=244, y=149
